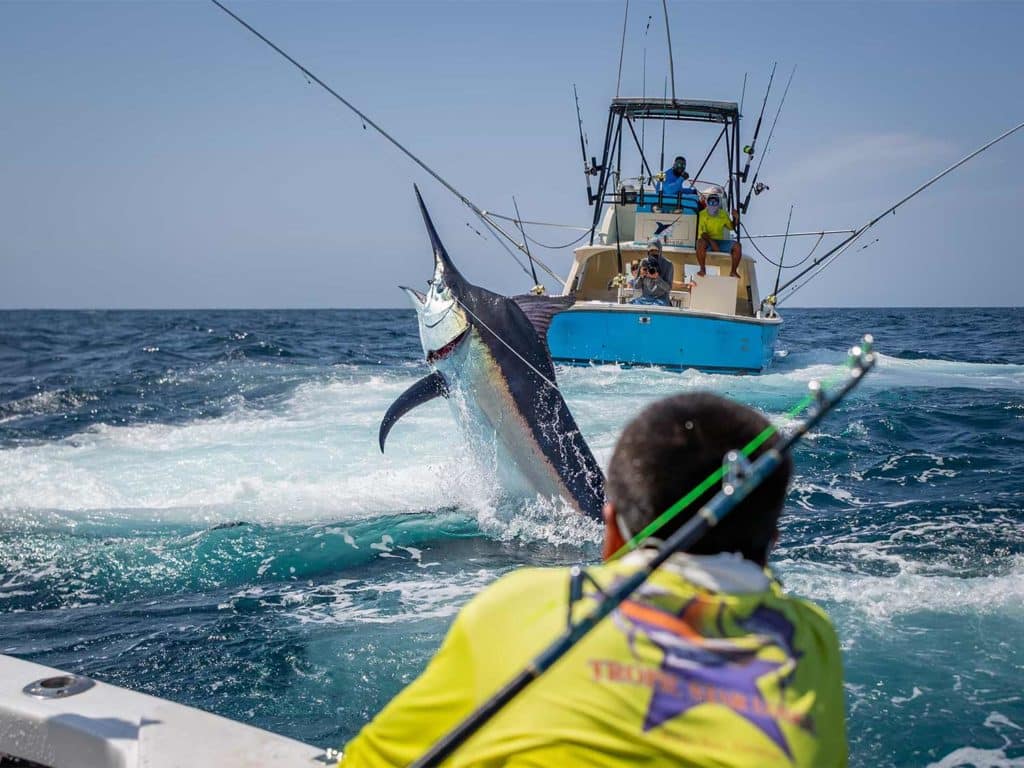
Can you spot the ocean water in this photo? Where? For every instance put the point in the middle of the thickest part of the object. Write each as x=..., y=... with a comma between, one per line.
x=193, y=504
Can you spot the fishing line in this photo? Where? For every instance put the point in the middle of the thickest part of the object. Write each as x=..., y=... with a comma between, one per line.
x=536, y=223
x=821, y=236
x=368, y=121
x=793, y=290
x=511, y=349
x=829, y=257
x=558, y=247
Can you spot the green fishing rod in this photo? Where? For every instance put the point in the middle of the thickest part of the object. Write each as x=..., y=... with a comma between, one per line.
x=740, y=477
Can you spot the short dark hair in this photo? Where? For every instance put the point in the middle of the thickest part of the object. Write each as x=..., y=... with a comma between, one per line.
x=671, y=447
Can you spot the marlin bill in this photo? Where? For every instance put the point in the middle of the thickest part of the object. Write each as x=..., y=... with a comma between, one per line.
x=489, y=358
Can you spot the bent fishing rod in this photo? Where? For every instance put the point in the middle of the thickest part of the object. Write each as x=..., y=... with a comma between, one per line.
x=482, y=214
x=739, y=478
x=843, y=246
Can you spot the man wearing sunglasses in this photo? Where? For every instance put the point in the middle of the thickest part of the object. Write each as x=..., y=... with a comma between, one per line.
x=672, y=185
x=712, y=225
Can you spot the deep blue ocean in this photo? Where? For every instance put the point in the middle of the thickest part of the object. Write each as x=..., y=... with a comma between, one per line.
x=193, y=504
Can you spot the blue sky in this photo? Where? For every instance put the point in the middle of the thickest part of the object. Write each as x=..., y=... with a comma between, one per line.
x=157, y=155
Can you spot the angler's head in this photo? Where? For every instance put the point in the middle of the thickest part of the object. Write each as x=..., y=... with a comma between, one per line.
x=443, y=319
x=651, y=469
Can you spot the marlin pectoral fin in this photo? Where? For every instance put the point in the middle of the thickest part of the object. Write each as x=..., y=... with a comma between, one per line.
x=424, y=390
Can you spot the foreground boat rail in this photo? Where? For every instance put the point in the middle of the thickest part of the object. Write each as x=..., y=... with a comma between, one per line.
x=55, y=720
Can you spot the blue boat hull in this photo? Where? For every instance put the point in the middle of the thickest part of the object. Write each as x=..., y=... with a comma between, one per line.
x=663, y=338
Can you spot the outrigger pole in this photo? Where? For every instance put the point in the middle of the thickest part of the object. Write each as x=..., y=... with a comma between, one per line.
x=537, y=287
x=842, y=247
x=782, y=257
x=482, y=214
x=740, y=478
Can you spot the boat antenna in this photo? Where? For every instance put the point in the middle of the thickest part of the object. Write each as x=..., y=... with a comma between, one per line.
x=671, y=65
x=622, y=49
x=481, y=214
x=739, y=477
x=661, y=164
x=843, y=246
x=537, y=287
x=588, y=169
x=749, y=149
x=643, y=91
x=782, y=257
x=743, y=92
x=767, y=145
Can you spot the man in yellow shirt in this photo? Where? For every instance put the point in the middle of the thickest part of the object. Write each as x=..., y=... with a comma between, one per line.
x=708, y=664
x=712, y=224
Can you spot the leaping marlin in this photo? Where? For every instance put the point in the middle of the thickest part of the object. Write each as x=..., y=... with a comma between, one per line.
x=484, y=347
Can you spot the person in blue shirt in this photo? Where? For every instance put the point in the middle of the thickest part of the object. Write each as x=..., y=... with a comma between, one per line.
x=672, y=185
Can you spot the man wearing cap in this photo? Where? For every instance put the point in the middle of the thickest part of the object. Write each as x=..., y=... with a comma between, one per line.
x=655, y=281
x=712, y=223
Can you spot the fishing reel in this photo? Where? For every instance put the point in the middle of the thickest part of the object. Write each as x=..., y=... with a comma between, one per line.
x=760, y=187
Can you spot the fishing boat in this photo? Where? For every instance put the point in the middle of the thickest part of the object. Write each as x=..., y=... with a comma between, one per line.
x=714, y=322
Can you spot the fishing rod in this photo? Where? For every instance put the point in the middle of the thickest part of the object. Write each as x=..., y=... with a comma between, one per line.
x=643, y=93
x=664, y=95
x=739, y=476
x=589, y=169
x=537, y=287
x=842, y=247
x=814, y=275
x=749, y=149
x=671, y=64
x=754, y=186
x=622, y=49
x=368, y=121
x=782, y=257
x=714, y=146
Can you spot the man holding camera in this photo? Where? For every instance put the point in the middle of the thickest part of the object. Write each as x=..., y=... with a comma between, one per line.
x=655, y=281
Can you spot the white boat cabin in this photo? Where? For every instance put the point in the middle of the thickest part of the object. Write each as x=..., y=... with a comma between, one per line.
x=600, y=271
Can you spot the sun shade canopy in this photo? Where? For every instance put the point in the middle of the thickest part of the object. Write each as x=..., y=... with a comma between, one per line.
x=679, y=109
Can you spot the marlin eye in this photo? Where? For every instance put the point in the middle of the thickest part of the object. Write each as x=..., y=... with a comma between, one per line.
x=430, y=281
